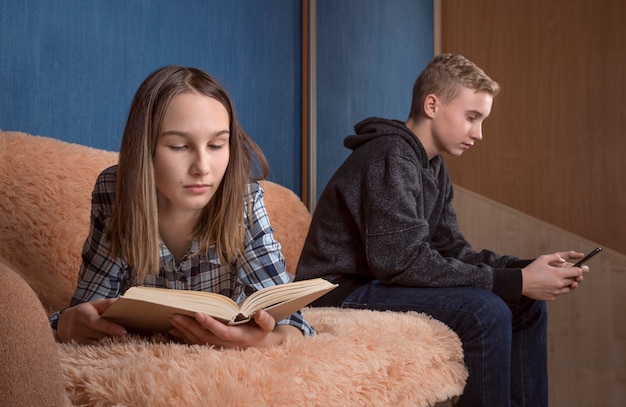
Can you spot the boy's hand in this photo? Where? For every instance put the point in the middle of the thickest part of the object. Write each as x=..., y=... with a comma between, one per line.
x=552, y=275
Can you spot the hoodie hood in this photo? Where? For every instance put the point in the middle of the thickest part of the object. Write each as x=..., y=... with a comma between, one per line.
x=375, y=128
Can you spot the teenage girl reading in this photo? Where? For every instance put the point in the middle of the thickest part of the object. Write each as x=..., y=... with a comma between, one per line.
x=181, y=210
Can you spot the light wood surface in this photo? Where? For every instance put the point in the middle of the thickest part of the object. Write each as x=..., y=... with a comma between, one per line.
x=587, y=328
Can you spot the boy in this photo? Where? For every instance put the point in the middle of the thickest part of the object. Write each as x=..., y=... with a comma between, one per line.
x=385, y=230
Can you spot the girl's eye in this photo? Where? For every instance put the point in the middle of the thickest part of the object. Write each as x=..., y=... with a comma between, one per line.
x=177, y=148
x=215, y=146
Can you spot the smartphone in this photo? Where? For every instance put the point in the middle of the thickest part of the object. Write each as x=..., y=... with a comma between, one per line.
x=588, y=256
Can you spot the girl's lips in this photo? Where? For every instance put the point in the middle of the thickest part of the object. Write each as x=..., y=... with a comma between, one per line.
x=197, y=189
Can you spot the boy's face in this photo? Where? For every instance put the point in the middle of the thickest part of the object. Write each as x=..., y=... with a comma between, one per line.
x=456, y=126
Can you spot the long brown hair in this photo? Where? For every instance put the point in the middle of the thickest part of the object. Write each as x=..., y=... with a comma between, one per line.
x=133, y=229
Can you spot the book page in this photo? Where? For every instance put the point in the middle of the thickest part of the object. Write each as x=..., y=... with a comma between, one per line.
x=149, y=309
x=284, y=297
x=284, y=309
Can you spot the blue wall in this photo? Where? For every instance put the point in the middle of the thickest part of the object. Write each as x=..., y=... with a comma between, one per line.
x=69, y=68
x=369, y=53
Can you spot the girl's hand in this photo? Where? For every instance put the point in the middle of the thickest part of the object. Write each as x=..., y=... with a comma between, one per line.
x=84, y=324
x=205, y=330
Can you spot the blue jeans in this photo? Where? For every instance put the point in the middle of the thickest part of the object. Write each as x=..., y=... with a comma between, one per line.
x=505, y=346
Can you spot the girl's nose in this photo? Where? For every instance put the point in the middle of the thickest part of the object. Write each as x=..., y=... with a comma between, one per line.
x=201, y=164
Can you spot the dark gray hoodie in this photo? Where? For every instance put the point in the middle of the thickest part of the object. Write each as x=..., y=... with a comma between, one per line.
x=386, y=214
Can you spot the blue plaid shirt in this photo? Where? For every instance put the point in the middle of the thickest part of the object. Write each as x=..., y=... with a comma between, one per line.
x=262, y=264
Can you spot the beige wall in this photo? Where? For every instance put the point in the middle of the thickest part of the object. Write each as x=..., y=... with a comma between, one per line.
x=586, y=328
x=555, y=144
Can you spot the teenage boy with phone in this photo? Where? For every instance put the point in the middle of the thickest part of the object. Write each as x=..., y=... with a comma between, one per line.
x=385, y=230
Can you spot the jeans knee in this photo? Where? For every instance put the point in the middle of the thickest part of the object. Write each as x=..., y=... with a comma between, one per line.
x=537, y=308
x=493, y=314
x=529, y=312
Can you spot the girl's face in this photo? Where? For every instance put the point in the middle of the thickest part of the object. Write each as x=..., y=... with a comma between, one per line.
x=191, y=154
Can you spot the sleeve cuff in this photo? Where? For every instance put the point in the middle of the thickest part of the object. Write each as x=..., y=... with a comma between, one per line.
x=517, y=263
x=507, y=283
x=54, y=320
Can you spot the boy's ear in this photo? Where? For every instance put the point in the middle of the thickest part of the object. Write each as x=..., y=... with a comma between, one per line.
x=431, y=102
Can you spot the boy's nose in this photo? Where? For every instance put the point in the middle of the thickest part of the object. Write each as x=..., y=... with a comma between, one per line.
x=477, y=134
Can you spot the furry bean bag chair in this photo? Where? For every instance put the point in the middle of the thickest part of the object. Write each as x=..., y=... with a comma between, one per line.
x=359, y=358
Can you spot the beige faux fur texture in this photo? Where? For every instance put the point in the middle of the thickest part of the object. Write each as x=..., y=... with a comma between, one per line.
x=360, y=358
x=45, y=201
x=29, y=363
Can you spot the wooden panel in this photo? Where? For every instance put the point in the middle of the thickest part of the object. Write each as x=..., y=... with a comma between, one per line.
x=554, y=144
x=586, y=329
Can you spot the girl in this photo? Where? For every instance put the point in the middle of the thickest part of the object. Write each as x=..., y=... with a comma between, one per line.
x=181, y=210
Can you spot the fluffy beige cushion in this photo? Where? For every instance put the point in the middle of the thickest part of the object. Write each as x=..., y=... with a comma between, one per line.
x=360, y=358
x=45, y=188
x=29, y=369
x=45, y=200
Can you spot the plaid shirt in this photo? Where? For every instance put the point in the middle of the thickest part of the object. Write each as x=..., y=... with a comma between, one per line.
x=262, y=264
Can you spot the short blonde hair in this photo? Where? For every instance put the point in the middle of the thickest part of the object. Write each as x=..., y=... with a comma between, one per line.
x=445, y=76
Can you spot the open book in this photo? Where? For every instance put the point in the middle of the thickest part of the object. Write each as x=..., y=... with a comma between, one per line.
x=149, y=309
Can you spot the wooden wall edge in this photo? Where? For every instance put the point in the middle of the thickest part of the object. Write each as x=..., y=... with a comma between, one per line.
x=586, y=328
